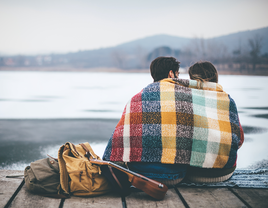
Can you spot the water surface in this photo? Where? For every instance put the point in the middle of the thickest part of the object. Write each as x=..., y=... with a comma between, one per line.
x=40, y=111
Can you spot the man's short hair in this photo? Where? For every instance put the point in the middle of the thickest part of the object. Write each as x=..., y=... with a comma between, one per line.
x=161, y=66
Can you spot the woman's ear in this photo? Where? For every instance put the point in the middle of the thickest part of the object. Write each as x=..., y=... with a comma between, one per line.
x=171, y=74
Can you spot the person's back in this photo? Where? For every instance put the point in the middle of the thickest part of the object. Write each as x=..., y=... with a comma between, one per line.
x=205, y=72
x=167, y=127
x=169, y=174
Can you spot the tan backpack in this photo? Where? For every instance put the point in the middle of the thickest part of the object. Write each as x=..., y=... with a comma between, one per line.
x=78, y=176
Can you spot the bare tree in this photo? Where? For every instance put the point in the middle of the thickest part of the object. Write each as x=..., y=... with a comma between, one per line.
x=140, y=56
x=255, y=46
x=203, y=49
x=199, y=47
x=119, y=58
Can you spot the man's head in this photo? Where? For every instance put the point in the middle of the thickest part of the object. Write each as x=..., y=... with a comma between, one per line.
x=164, y=67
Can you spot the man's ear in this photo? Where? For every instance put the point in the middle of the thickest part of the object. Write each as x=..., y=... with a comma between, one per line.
x=170, y=74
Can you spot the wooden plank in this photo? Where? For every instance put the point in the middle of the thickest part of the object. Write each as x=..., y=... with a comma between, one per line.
x=23, y=198
x=107, y=200
x=8, y=185
x=254, y=197
x=141, y=199
x=29, y=200
x=210, y=197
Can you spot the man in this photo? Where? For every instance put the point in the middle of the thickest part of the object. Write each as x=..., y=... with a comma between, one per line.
x=164, y=67
x=171, y=125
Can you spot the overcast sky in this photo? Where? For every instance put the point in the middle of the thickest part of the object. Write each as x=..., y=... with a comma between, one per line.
x=41, y=26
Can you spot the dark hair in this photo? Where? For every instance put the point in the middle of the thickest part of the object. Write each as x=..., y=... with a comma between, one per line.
x=161, y=66
x=203, y=71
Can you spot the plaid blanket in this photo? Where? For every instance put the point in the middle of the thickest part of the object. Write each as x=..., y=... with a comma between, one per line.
x=171, y=121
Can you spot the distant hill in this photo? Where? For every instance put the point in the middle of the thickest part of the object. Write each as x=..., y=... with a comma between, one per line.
x=152, y=42
x=240, y=39
x=137, y=54
x=232, y=41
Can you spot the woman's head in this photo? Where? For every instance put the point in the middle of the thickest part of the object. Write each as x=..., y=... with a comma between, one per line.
x=203, y=71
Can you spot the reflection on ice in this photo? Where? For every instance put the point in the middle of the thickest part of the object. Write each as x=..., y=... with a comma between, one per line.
x=254, y=130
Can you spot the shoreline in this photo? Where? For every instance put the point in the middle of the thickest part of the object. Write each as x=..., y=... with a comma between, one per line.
x=260, y=72
x=71, y=69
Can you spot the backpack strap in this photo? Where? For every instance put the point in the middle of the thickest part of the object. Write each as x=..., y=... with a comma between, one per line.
x=118, y=180
x=72, y=146
x=14, y=176
x=56, y=159
x=115, y=178
x=87, y=151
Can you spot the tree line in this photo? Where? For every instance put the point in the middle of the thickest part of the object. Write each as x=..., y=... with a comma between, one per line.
x=246, y=58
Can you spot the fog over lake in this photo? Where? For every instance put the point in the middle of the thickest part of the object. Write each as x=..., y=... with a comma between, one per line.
x=40, y=111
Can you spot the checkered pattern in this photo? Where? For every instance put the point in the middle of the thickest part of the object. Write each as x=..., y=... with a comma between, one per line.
x=171, y=121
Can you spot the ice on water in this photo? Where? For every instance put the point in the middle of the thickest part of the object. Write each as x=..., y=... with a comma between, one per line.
x=43, y=95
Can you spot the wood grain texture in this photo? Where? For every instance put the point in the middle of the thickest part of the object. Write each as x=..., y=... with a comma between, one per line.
x=107, y=200
x=254, y=197
x=29, y=200
x=141, y=199
x=194, y=197
x=210, y=197
x=8, y=185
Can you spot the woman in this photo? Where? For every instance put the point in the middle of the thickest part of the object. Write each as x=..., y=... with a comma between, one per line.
x=205, y=73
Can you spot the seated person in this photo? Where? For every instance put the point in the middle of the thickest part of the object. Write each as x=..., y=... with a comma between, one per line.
x=206, y=72
x=165, y=128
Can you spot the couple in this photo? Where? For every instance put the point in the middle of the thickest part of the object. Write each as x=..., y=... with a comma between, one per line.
x=176, y=128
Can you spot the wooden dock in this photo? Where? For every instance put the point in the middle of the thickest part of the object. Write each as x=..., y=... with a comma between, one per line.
x=13, y=193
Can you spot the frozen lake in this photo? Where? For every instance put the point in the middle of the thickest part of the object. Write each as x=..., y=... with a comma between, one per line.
x=88, y=97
